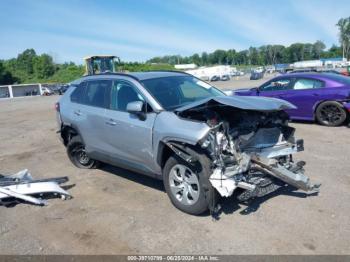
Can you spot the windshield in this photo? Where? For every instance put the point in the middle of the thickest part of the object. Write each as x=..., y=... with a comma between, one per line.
x=175, y=91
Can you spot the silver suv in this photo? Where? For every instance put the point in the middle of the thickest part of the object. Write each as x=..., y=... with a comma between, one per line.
x=175, y=127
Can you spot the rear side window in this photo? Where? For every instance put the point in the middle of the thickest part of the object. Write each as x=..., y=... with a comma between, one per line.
x=304, y=83
x=77, y=94
x=97, y=93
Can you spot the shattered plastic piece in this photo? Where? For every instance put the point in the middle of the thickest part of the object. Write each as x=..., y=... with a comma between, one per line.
x=225, y=185
x=6, y=191
x=22, y=186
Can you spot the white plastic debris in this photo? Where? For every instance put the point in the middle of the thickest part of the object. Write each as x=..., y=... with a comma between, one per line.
x=22, y=186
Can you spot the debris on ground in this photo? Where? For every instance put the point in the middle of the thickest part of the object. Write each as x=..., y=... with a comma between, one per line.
x=22, y=187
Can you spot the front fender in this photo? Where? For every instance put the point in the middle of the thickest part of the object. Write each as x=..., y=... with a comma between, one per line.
x=347, y=106
x=170, y=127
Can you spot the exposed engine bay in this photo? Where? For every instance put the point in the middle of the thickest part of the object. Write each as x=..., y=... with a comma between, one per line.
x=250, y=149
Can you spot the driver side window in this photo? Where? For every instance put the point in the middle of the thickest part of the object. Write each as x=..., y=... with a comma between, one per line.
x=277, y=85
x=122, y=93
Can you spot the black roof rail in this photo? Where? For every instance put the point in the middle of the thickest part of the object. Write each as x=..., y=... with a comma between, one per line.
x=115, y=73
x=166, y=70
x=134, y=77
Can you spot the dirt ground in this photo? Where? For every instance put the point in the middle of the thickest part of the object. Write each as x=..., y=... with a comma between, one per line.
x=119, y=212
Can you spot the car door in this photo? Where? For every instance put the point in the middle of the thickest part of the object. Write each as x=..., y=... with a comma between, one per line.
x=90, y=115
x=128, y=138
x=280, y=88
x=277, y=88
x=306, y=93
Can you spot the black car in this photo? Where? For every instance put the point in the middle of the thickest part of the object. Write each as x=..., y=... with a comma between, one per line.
x=62, y=89
x=256, y=75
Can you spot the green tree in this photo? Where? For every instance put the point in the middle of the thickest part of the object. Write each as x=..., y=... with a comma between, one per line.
x=318, y=48
x=25, y=61
x=43, y=66
x=5, y=76
x=230, y=56
x=67, y=73
x=276, y=54
x=204, y=58
x=334, y=51
x=218, y=57
x=242, y=57
x=253, y=55
x=344, y=35
x=196, y=59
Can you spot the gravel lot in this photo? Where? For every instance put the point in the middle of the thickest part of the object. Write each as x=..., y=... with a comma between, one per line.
x=118, y=212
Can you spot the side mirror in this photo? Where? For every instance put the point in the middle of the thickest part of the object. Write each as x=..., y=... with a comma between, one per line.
x=136, y=107
x=256, y=89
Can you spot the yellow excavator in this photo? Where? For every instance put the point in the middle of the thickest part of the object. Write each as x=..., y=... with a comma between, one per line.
x=99, y=64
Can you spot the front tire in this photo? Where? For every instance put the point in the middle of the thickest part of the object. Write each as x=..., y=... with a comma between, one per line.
x=77, y=154
x=331, y=113
x=187, y=185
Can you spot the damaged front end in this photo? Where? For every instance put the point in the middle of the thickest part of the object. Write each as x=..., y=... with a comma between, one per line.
x=250, y=145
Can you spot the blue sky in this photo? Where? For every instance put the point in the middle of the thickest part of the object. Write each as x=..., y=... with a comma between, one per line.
x=138, y=30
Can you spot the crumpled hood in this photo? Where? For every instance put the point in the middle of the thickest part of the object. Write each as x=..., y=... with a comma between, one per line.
x=243, y=102
x=242, y=90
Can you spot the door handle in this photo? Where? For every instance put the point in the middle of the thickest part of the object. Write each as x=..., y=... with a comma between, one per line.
x=111, y=122
x=78, y=113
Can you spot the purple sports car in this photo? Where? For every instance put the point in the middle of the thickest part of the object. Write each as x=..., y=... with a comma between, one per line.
x=322, y=97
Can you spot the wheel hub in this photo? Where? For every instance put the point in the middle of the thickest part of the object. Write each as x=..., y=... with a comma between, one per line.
x=184, y=184
x=331, y=114
x=81, y=155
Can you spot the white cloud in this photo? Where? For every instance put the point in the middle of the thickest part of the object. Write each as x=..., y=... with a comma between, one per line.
x=124, y=33
x=89, y=28
x=259, y=23
x=323, y=16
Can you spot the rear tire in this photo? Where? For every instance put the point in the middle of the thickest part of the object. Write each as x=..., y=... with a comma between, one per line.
x=180, y=177
x=331, y=113
x=77, y=155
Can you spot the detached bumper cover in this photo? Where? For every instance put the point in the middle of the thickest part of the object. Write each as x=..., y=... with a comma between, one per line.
x=22, y=186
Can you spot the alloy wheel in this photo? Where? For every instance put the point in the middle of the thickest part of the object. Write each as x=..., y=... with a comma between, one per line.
x=184, y=184
x=80, y=155
x=331, y=114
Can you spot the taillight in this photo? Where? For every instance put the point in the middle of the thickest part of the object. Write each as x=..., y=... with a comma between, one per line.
x=57, y=106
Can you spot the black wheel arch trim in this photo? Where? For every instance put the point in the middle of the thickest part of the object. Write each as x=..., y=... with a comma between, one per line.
x=165, y=149
x=68, y=127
